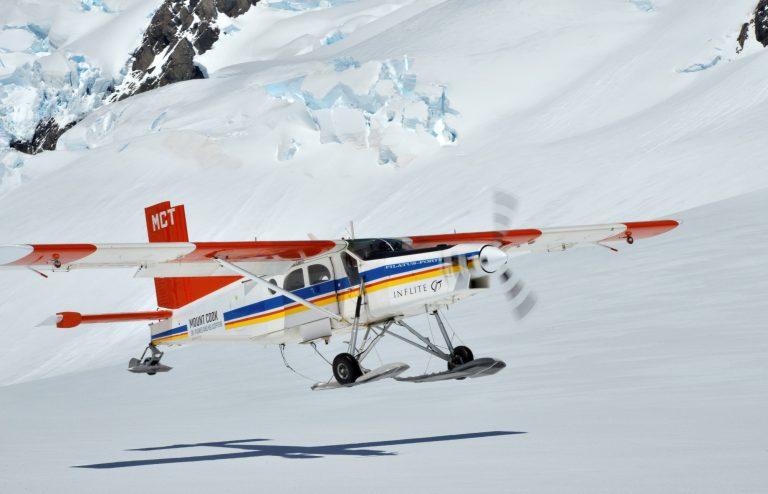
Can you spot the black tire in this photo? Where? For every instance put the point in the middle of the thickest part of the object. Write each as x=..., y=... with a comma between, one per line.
x=630, y=240
x=460, y=355
x=346, y=369
x=151, y=373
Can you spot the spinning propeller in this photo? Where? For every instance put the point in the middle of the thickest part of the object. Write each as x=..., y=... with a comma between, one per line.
x=521, y=298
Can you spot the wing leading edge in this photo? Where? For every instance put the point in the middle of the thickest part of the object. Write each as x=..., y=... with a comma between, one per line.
x=167, y=259
x=146, y=255
x=551, y=239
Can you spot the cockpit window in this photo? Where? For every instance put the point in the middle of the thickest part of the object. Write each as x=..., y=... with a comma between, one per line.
x=374, y=248
x=294, y=280
x=381, y=248
x=350, y=267
x=318, y=274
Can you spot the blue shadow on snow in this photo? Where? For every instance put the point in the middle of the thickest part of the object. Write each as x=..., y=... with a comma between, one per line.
x=246, y=450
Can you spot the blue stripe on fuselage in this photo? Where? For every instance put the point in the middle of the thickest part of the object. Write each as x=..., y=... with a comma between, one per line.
x=170, y=332
x=320, y=289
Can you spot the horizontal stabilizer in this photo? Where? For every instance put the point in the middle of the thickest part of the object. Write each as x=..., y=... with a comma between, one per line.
x=73, y=319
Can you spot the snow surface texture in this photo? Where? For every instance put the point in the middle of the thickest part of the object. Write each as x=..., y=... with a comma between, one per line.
x=642, y=371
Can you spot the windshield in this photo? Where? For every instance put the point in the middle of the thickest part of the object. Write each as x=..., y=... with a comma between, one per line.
x=380, y=248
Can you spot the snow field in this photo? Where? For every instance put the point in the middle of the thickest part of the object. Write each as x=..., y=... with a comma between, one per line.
x=642, y=371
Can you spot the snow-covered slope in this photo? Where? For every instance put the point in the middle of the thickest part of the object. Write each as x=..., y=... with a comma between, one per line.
x=403, y=126
x=643, y=370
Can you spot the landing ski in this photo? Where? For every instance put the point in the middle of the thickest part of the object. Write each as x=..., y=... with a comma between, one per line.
x=476, y=368
x=144, y=367
x=383, y=372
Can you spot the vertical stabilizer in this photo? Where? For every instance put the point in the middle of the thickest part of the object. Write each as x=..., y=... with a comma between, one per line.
x=166, y=223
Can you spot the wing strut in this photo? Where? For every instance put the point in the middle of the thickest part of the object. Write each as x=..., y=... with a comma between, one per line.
x=261, y=281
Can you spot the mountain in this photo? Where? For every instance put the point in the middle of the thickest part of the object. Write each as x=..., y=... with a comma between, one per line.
x=638, y=371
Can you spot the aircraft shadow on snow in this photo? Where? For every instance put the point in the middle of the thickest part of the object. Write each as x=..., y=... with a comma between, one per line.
x=245, y=450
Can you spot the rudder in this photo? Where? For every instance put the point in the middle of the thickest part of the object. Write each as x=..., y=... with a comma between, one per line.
x=166, y=223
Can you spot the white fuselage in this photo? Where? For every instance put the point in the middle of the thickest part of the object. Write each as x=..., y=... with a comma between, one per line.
x=400, y=284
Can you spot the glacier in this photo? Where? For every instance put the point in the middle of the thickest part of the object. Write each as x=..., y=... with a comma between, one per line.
x=640, y=371
x=358, y=103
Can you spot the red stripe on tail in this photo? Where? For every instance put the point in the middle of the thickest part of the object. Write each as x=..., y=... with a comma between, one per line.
x=166, y=223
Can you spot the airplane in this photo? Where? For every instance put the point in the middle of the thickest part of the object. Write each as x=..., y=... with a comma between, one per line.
x=307, y=291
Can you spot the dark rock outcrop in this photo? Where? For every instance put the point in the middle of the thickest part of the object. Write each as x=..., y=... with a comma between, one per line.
x=44, y=139
x=179, y=30
x=234, y=8
x=743, y=35
x=761, y=22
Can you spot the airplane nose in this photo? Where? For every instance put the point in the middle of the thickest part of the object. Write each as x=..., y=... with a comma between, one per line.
x=492, y=258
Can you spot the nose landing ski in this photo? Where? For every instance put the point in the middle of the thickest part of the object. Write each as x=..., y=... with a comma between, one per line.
x=476, y=368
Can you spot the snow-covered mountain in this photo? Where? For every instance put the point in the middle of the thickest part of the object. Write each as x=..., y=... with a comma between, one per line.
x=638, y=371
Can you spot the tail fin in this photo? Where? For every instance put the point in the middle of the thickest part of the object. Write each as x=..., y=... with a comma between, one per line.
x=166, y=223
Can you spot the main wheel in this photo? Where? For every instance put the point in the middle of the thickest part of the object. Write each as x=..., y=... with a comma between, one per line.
x=460, y=355
x=346, y=369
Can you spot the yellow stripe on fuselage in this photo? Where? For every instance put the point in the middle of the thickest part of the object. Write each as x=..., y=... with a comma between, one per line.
x=174, y=337
x=279, y=313
x=350, y=293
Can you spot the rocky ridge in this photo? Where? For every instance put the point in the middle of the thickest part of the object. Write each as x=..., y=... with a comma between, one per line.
x=757, y=26
x=178, y=31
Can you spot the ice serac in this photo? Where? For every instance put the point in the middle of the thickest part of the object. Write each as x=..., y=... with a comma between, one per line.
x=43, y=98
x=374, y=105
x=179, y=30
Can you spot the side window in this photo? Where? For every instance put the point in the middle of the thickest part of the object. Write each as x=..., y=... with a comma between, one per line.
x=350, y=266
x=274, y=283
x=294, y=280
x=318, y=274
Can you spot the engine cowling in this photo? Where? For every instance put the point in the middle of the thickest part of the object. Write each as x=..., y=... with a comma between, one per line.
x=491, y=258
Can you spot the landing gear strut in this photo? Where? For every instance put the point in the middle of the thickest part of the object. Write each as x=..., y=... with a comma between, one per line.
x=460, y=354
x=346, y=366
x=148, y=363
x=461, y=362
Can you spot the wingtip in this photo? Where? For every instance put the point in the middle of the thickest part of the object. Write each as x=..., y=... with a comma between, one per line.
x=13, y=253
x=51, y=321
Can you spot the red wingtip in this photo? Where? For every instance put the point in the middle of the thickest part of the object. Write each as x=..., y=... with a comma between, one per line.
x=645, y=229
x=69, y=319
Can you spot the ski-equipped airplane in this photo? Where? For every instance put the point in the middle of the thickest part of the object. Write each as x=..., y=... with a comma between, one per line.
x=305, y=291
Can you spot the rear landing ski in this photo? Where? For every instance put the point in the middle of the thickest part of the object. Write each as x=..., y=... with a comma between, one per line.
x=384, y=372
x=149, y=363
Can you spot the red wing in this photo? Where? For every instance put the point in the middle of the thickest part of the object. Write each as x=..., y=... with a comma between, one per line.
x=646, y=229
x=64, y=256
x=261, y=251
x=505, y=238
x=547, y=239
